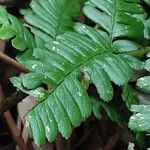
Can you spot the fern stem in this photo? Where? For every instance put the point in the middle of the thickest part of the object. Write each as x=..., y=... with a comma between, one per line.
x=7, y=2
x=6, y=59
x=139, y=53
x=11, y=101
x=16, y=133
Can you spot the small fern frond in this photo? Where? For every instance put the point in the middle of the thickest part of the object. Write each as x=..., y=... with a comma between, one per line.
x=146, y=20
x=52, y=17
x=130, y=96
x=144, y=82
x=59, y=59
x=119, y=20
x=12, y=28
x=67, y=103
x=139, y=122
x=98, y=106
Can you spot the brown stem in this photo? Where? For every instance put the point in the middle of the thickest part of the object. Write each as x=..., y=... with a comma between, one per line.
x=112, y=142
x=83, y=139
x=16, y=134
x=62, y=144
x=6, y=59
x=11, y=101
x=8, y=2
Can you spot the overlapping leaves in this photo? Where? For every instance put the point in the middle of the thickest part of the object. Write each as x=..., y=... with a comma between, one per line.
x=139, y=122
x=12, y=28
x=57, y=62
x=68, y=102
x=118, y=20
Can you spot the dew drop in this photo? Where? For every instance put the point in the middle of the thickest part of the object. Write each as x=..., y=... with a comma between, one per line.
x=139, y=125
x=139, y=115
x=83, y=26
x=30, y=117
x=142, y=79
x=38, y=94
x=55, y=42
x=41, y=95
x=42, y=65
x=133, y=117
x=118, y=30
x=27, y=124
x=84, y=70
x=48, y=128
x=45, y=77
x=138, y=20
x=53, y=48
x=33, y=66
x=109, y=91
x=79, y=94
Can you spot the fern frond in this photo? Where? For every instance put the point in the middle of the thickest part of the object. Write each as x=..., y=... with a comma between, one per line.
x=58, y=60
x=119, y=20
x=139, y=122
x=12, y=28
x=52, y=17
x=68, y=103
x=144, y=82
x=98, y=106
x=129, y=95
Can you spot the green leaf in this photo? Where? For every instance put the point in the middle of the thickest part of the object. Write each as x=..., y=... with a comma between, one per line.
x=96, y=107
x=39, y=92
x=57, y=61
x=139, y=121
x=3, y=15
x=147, y=28
x=144, y=84
x=147, y=65
x=147, y=1
x=118, y=18
x=140, y=137
x=129, y=95
x=148, y=55
x=51, y=16
x=131, y=146
x=12, y=28
x=113, y=114
x=78, y=54
x=146, y=21
x=134, y=62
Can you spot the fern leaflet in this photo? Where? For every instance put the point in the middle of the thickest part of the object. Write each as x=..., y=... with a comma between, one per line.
x=118, y=20
x=57, y=59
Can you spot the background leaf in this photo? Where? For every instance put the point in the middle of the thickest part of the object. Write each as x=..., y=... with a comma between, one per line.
x=119, y=19
x=139, y=122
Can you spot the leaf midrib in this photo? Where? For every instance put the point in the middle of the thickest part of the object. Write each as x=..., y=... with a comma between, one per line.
x=74, y=69
x=113, y=21
x=60, y=17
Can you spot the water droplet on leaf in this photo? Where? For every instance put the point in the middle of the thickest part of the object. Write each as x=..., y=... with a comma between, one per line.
x=48, y=128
